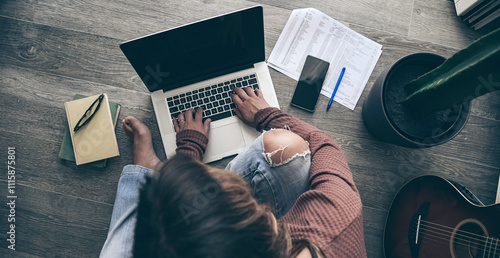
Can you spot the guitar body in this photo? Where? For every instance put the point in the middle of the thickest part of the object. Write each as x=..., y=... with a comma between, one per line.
x=435, y=217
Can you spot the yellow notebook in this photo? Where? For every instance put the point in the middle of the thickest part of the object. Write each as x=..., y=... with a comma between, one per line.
x=96, y=140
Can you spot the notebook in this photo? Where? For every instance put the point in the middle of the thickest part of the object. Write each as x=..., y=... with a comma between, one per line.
x=199, y=65
x=66, y=152
x=96, y=140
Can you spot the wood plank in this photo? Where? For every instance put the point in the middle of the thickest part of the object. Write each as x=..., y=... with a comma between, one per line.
x=487, y=106
x=53, y=225
x=373, y=226
x=477, y=143
x=32, y=103
x=38, y=166
x=68, y=53
x=17, y=253
x=79, y=55
x=37, y=96
x=143, y=17
x=391, y=16
x=437, y=22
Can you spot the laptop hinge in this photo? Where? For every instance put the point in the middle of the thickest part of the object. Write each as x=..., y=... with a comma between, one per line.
x=207, y=76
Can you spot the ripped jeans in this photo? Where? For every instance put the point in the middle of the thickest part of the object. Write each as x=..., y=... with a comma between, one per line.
x=276, y=184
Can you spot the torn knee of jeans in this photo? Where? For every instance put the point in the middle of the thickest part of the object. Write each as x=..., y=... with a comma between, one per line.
x=281, y=145
x=276, y=158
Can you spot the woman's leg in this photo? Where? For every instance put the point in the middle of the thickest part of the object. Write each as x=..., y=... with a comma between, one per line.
x=276, y=168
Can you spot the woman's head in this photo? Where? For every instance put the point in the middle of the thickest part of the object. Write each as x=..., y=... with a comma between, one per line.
x=189, y=209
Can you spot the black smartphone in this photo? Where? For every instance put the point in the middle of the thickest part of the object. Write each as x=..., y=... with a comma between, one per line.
x=310, y=83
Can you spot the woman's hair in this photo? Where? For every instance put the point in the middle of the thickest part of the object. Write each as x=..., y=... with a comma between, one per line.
x=299, y=245
x=189, y=209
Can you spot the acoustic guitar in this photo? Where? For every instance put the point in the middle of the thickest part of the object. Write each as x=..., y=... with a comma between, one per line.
x=435, y=217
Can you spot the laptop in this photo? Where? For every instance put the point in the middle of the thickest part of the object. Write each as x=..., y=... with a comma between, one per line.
x=198, y=65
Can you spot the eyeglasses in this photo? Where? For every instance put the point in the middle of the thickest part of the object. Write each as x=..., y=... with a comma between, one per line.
x=87, y=116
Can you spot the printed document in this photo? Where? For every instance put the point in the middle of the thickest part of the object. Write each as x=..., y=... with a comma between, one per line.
x=311, y=32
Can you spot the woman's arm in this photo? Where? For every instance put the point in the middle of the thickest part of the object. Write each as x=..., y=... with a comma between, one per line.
x=192, y=134
x=192, y=143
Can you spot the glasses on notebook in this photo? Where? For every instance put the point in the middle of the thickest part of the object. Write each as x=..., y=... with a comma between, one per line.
x=87, y=116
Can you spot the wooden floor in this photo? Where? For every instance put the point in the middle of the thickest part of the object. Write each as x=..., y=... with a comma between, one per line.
x=50, y=50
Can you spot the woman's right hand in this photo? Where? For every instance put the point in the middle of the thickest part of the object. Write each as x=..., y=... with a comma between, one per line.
x=192, y=120
x=248, y=103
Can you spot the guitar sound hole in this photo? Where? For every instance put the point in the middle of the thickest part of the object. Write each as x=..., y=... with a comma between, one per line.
x=468, y=239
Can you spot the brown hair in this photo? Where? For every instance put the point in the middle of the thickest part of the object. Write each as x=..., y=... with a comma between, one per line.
x=189, y=209
x=299, y=245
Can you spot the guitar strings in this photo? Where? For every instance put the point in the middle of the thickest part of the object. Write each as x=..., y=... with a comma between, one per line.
x=435, y=239
x=465, y=234
x=445, y=236
x=445, y=241
x=442, y=238
x=462, y=235
x=440, y=225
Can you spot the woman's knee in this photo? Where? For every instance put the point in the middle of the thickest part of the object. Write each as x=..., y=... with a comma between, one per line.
x=281, y=145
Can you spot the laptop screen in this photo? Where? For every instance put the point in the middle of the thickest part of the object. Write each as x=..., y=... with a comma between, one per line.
x=199, y=50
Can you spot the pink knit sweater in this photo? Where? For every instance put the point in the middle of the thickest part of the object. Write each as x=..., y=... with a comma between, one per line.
x=329, y=214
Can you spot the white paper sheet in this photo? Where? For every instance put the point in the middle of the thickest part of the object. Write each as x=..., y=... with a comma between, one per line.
x=311, y=32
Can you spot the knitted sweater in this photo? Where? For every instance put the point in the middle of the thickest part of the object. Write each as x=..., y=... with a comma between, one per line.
x=329, y=214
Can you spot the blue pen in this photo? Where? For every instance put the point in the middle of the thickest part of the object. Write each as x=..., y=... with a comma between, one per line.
x=335, y=89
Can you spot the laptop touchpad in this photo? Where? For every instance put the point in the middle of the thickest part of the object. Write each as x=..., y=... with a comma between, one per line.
x=225, y=138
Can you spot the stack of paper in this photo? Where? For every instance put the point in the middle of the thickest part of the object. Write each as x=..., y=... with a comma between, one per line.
x=478, y=13
x=311, y=32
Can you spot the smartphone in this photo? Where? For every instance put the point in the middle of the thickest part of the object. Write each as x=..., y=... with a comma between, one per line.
x=310, y=82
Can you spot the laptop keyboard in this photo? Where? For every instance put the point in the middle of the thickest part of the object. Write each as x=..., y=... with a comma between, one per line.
x=214, y=99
